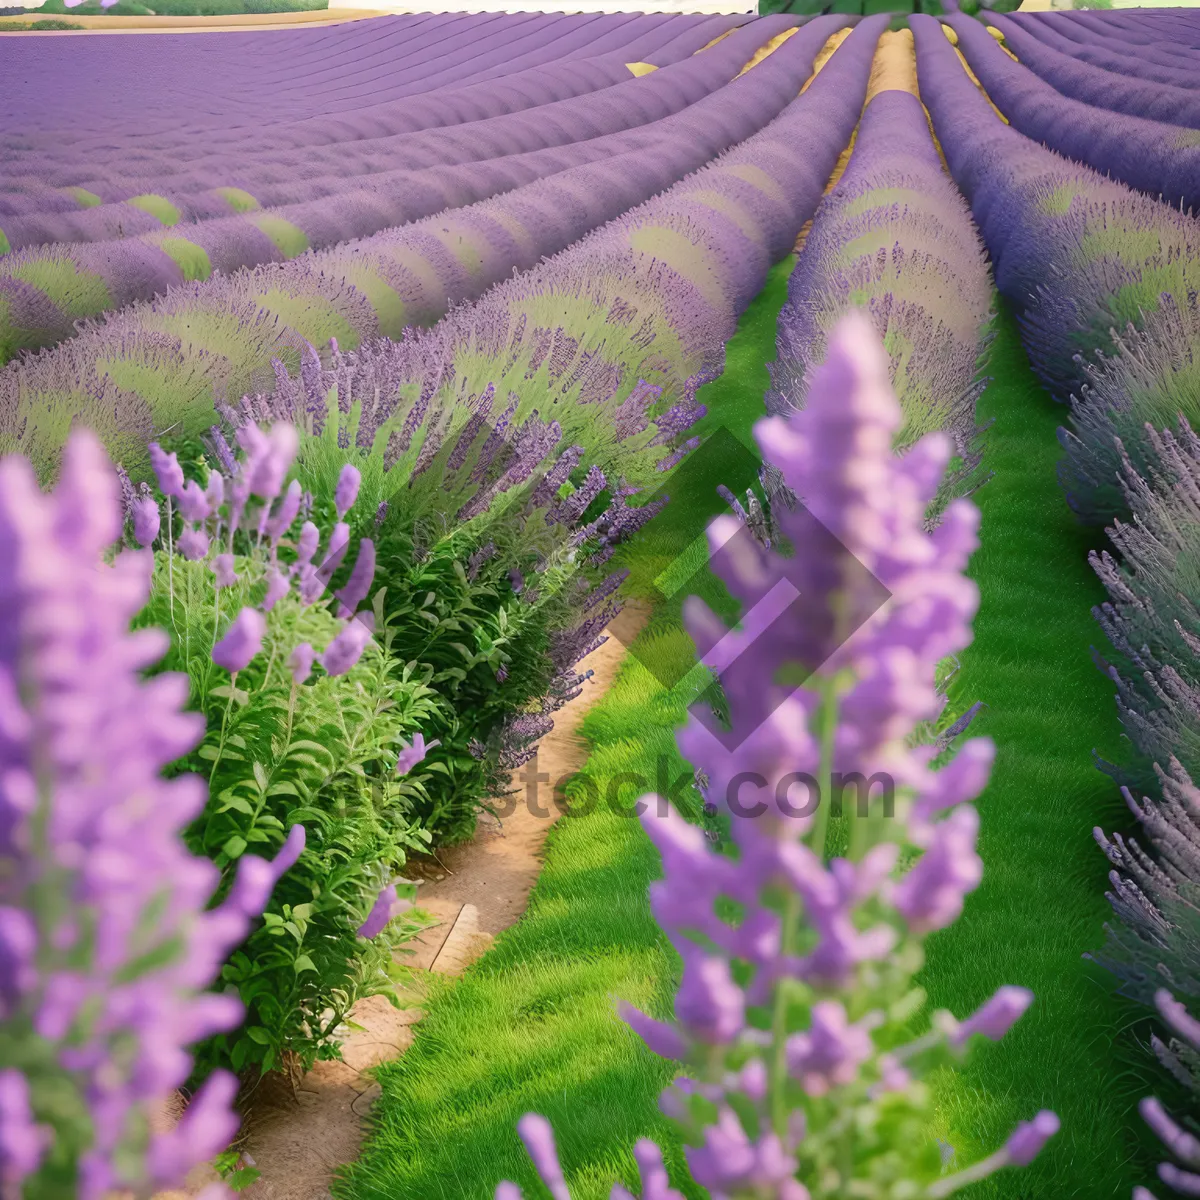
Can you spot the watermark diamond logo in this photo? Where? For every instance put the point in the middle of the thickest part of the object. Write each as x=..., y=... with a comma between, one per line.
x=789, y=612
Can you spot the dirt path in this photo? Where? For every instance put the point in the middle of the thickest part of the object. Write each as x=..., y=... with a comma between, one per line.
x=481, y=888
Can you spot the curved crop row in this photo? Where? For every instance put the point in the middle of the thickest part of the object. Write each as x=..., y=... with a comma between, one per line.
x=1101, y=88
x=171, y=360
x=895, y=237
x=297, y=177
x=1122, y=61
x=671, y=277
x=1161, y=160
x=1077, y=255
x=46, y=291
x=65, y=169
x=1077, y=29
x=246, y=83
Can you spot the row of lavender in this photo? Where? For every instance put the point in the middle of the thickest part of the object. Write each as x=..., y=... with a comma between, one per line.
x=85, y=92
x=661, y=119
x=789, y=1028
x=423, y=466
x=1081, y=257
x=378, y=285
x=481, y=121
x=1156, y=157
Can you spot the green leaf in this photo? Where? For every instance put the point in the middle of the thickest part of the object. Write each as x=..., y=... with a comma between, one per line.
x=239, y=804
x=260, y=777
x=304, y=963
x=283, y=788
x=235, y=847
x=256, y=1033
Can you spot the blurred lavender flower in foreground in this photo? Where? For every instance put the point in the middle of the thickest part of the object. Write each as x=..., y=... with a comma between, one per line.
x=794, y=1024
x=106, y=947
x=414, y=754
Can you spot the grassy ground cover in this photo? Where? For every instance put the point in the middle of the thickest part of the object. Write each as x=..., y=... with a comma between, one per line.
x=532, y=1026
x=1041, y=904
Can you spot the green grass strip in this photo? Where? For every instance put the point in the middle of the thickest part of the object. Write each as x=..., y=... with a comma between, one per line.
x=238, y=199
x=289, y=239
x=1041, y=904
x=5, y=244
x=531, y=1026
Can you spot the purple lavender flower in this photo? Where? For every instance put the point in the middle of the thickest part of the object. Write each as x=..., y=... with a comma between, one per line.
x=994, y=1019
x=242, y=641
x=346, y=649
x=300, y=663
x=306, y=544
x=167, y=471
x=284, y=516
x=386, y=908
x=78, y=706
x=414, y=754
x=268, y=457
x=346, y=492
x=277, y=587
x=192, y=543
x=222, y=568
x=359, y=583
x=145, y=520
x=193, y=503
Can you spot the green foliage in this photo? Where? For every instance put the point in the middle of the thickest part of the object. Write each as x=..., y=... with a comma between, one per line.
x=276, y=754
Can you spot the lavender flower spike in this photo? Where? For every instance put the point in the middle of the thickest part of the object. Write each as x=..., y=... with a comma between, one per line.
x=145, y=520
x=167, y=471
x=222, y=567
x=346, y=649
x=414, y=754
x=300, y=663
x=277, y=587
x=242, y=641
x=193, y=544
x=80, y=712
x=346, y=492
x=359, y=583
x=387, y=907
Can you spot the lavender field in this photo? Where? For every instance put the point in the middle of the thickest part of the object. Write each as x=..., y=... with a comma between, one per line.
x=602, y=605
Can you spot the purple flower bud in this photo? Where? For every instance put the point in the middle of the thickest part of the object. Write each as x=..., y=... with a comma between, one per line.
x=286, y=513
x=346, y=649
x=411, y=755
x=277, y=588
x=346, y=492
x=193, y=503
x=997, y=1015
x=1027, y=1140
x=242, y=641
x=268, y=457
x=307, y=543
x=167, y=470
x=192, y=544
x=22, y=1143
x=931, y=895
x=359, y=583
x=709, y=1004
x=301, y=661
x=386, y=908
x=222, y=568
x=145, y=520
x=517, y=580
x=538, y=1137
x=660, y=1038
x=831, y=1052
x=214, y=493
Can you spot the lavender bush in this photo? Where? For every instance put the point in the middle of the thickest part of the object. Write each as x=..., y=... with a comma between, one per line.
x=305, y=712
x=795, y=1022
x=107, y=938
